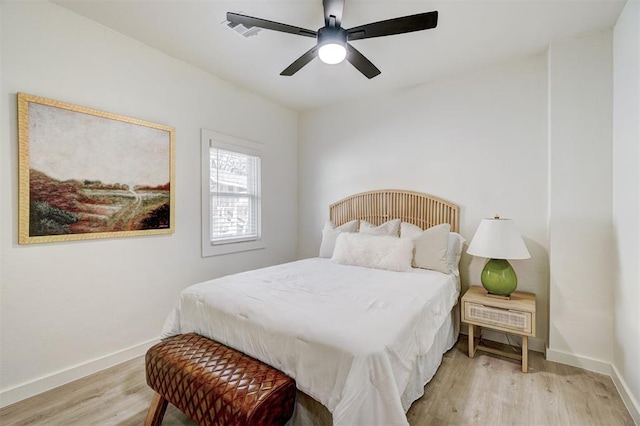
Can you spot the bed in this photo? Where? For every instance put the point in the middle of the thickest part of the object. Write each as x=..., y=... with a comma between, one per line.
x=360, y=342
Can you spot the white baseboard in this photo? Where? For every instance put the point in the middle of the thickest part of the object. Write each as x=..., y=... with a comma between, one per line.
x=600, y=367
x=583, y=362
x=578, y=361
x=627, y=396
x=51, y=381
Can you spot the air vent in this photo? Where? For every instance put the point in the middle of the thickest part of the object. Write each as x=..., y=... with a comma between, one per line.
x=241, y=29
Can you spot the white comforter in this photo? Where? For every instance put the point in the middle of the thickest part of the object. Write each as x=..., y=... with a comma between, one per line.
x=349, y=336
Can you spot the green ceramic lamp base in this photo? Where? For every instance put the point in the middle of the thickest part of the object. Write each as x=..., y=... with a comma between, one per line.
x=498, y=277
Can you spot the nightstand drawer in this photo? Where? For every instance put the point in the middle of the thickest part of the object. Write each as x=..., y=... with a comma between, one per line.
x=505, y=318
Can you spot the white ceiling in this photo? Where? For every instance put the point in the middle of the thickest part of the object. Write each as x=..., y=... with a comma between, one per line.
x=469, y=34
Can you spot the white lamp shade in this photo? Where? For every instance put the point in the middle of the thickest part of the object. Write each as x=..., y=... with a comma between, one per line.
x=498, y=239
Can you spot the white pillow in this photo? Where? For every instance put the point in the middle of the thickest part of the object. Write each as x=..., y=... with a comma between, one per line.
x=430, y=246
x=390, y=227
x=374, y=251
x=409, y=230
x=330, y=233
x=454, y=251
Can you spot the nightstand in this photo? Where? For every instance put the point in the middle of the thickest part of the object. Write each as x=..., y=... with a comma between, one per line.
x=516, y=315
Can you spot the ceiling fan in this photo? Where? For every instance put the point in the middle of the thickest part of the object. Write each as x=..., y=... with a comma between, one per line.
x=333, y=41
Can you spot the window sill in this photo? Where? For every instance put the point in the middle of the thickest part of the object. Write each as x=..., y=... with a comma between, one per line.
x=220, y=249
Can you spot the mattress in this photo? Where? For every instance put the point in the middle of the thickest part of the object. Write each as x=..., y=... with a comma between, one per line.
x=353, y=338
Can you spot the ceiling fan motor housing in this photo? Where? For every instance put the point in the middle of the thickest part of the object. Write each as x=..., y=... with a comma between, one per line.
x=336, y=35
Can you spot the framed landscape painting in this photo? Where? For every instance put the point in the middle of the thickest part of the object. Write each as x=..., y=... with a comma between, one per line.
x=87, y=174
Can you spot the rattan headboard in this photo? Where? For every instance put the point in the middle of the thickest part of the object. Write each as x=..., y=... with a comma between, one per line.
x=377, y=207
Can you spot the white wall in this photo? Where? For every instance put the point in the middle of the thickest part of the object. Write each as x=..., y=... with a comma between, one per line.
x=580, y=197
x=69, y=309
x=626, y=200
x=478, y=140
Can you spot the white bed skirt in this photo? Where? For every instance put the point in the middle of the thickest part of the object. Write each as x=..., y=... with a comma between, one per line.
x=308, y=411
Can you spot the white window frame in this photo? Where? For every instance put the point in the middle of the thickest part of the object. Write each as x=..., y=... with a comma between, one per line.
x=211, y=139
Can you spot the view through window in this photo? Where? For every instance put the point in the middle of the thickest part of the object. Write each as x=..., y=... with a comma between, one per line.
x=235, y=196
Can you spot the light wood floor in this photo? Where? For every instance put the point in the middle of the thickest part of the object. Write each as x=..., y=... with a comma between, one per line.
x=485, y=390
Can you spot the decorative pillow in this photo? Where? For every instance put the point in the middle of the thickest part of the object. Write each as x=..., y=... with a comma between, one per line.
x=409, y=230
x=390, y=227
x=454, y=251
x=430, y=246
x=330, y=234
x=371, y=251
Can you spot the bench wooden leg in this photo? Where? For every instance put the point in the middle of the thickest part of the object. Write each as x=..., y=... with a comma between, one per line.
x=156, y=411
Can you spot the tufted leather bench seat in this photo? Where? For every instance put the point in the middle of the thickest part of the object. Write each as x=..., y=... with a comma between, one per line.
x=216, y=385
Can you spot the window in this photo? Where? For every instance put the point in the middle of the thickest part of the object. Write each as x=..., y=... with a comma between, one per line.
x=235, y=196
x=231, y=194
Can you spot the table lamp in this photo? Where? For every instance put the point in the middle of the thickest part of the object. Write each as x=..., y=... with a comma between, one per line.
x=498, y=240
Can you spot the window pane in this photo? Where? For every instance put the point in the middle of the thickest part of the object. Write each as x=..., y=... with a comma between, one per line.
x=233, y=217
x=235, y=196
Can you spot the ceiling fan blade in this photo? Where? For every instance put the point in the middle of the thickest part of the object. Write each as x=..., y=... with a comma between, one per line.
x=300, y=62
x=404, y=24
x=250, y=21
x=361, y=63
x=333, y=8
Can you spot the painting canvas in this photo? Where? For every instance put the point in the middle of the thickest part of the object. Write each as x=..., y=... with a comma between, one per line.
x=87, y=174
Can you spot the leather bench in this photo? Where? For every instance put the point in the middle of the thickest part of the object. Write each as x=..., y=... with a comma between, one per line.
x=216, y=385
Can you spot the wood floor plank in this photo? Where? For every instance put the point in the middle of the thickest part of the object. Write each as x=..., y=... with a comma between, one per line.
x=484, y=390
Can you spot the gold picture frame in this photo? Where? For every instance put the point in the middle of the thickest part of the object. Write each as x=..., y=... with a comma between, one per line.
x=88, y=174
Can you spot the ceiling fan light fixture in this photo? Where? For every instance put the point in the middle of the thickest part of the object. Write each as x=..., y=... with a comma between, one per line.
x=332, y=45
x=332, y=53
